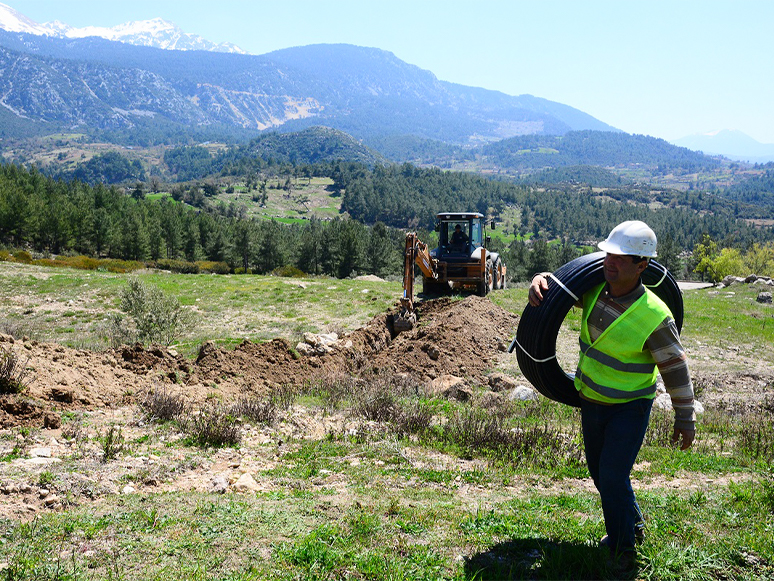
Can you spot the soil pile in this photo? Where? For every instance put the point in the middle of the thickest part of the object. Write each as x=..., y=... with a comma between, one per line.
x=457, y=337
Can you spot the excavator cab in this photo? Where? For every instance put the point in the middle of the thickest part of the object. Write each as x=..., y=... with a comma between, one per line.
x=459, y=236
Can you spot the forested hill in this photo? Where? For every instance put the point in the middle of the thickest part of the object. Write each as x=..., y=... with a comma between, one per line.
x=404, y=196
x=757, y=190
x=312, y=146
x=596, y=148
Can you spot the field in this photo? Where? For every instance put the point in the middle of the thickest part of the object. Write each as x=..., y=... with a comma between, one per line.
x=243, y=459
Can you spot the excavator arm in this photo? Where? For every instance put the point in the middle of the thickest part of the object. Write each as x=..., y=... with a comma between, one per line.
x=416, y=252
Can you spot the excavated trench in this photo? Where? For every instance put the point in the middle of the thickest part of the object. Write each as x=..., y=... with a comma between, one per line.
x=452, y=336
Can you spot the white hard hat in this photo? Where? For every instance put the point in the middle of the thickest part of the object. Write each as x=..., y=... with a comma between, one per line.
x=631, y=237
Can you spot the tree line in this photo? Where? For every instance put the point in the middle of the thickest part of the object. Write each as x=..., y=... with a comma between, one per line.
x=58, y=217
x=61, y=217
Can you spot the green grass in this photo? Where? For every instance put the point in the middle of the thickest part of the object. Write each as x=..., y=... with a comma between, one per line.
x=229, y=307
x=362, y=502
x=374, y=506
x=730, y=319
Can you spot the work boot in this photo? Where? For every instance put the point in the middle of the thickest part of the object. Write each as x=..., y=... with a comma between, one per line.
x=623, y=564
x=639, y=536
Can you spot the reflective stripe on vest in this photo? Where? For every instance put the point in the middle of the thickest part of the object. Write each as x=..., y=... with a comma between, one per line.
x=617, y=367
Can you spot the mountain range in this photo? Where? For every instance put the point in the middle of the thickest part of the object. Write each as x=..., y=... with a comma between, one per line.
x=157, y=33
x=52, y=82
x=729, y=143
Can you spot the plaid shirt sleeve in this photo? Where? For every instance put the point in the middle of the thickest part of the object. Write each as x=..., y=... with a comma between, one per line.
x=664, y=344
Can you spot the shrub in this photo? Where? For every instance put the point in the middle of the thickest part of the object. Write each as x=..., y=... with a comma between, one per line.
x=375, y=401
x=256, y=410
x=13, y=372
x=112, y=442
x=412, y=418
x=22, y=256
x=160, y=404
x=181, y=266
x=209, y=266
x=156, y=318
x=334, y=390
x=288, y=271
x=756, y=436
x=478, y=432
x=213, y=425
x=283, y=396
x=121, y=266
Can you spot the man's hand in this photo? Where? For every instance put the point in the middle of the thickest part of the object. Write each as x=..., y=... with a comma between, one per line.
x=536, y=289
x=687, y=438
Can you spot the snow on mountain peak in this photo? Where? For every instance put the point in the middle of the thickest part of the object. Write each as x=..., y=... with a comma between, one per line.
x=14, y=21
x=156, y=32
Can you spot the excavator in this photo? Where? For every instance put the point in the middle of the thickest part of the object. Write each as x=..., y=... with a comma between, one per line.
x=461, y=261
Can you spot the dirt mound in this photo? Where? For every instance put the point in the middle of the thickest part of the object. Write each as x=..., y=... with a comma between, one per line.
x=452, y=336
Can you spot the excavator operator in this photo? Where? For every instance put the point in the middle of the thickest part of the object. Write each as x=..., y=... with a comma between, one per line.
x=459, y=238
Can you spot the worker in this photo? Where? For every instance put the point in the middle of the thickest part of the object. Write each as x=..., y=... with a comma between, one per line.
x=626, y=332
x=459, y=238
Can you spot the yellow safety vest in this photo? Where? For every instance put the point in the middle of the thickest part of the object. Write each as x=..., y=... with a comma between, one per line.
x=617, y=367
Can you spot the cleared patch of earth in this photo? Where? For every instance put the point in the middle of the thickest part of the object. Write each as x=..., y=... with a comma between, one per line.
x=59, y=464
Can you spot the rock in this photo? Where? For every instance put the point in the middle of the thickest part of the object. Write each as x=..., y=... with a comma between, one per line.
x=52, y=421
x=433, y=353
x=246, y=483
x=311, y=339
x=523, y=393
x=40, y=453
x=663, y=402
x=61, y=394
x=305, y=348
x=764, y=297
x=501, y=382
x=328, y=338
x=219, y=484
x=51, y=500
x=451, y=387
x=750, y=278
x=128, y=489
x=207, y=348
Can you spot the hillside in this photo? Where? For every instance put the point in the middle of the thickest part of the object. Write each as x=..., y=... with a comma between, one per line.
x=604, y=149
x=418, y=456
x=95, y=84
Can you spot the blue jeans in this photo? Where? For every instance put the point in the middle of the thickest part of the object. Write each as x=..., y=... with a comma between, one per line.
x=612, y=437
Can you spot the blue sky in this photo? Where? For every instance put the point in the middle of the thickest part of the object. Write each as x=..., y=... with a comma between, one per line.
x=662, y=68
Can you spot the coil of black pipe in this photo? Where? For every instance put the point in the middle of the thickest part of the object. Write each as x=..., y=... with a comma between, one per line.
x=535, y=341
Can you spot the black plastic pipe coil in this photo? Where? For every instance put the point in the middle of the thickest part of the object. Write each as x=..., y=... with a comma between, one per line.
x=535, y=341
